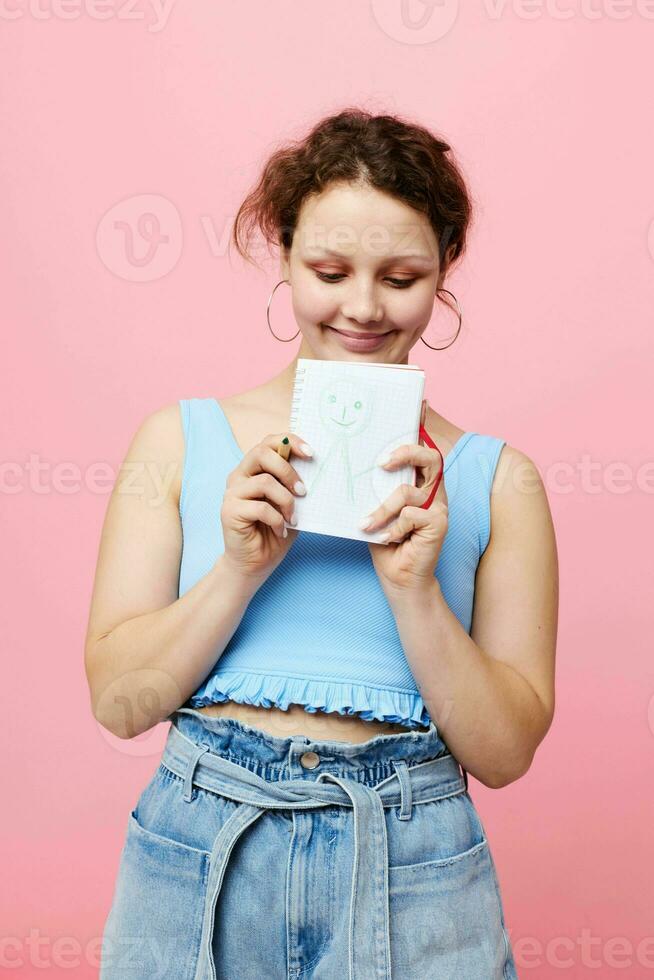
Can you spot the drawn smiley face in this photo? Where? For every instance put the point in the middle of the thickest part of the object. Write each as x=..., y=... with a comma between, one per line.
x=345, y=408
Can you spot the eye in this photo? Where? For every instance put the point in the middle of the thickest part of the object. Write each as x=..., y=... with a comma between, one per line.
x=337, y=276
x=332, y=398
x=401, y=283
x=357, y=404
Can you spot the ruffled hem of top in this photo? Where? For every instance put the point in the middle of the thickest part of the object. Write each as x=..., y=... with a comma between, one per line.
x=343, y=697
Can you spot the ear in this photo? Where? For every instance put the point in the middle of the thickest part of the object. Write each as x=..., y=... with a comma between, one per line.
x=284, y=264
x=445, y=266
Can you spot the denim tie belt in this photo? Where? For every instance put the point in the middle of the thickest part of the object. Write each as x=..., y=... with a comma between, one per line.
x=369, y=933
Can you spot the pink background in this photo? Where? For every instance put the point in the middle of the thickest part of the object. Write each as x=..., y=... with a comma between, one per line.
x=548, y=108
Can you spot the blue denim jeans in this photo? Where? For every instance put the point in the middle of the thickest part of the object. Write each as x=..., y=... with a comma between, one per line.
x=249, y=855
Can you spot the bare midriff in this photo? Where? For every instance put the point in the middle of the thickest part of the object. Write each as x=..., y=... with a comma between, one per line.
x=320, y=726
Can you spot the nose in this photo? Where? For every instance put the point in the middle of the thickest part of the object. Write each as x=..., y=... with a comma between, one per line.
x=362, y=304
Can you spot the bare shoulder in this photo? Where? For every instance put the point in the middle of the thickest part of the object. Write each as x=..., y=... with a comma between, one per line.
x=140, y=546
x=518, y=494
x=158, y=445
x=515, y=614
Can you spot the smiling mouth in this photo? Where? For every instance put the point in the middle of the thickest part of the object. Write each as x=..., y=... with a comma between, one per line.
x=356, y=336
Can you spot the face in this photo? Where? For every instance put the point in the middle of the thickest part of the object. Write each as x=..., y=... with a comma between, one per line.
x=361, y=263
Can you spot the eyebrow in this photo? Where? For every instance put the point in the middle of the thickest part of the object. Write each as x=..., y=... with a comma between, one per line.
x=391, y=258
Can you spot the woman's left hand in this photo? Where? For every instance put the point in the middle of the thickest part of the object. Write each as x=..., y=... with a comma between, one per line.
x=409, y=559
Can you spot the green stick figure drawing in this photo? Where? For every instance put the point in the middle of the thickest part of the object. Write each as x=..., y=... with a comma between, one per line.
x=345, y=409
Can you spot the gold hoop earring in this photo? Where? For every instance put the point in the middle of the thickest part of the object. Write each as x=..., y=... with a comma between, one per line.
x=458, y=313
x=284, y=339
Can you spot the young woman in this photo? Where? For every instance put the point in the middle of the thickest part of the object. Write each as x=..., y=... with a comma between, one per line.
x=310, y=815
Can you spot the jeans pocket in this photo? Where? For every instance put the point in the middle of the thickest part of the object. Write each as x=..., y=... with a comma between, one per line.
x=446, y=917
x=438, y=830
x=445, y=920
x=154, y=925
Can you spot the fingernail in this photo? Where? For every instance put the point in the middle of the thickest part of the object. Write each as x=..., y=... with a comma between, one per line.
x=384, y=459
x=300, y=488
x=306, y=449
x=285, y=532
x=365, y=523
x=293, y=519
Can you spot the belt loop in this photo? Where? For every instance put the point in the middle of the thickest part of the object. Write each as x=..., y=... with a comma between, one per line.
x=402, y=771
x=190, y=771
x=465, y=776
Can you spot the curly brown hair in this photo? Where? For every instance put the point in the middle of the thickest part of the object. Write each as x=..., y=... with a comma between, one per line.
x=386, y=152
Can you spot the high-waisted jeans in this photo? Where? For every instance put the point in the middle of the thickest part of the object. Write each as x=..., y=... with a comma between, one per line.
x=251, y=856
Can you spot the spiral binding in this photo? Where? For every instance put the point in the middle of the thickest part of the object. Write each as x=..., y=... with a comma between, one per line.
x=298, y=390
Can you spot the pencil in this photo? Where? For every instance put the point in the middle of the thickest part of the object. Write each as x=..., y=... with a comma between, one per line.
x=284, y=448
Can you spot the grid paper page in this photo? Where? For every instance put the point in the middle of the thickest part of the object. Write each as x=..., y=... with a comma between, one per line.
x=350, y=413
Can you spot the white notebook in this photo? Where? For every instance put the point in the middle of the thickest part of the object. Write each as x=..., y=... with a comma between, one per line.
x=351, y=413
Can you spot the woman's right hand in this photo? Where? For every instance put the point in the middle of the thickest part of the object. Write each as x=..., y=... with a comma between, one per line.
x=259, y=494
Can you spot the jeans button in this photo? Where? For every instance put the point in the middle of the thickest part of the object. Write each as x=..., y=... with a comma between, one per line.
x=310, y=760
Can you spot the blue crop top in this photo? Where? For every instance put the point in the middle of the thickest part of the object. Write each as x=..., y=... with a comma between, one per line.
x=329, y=651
